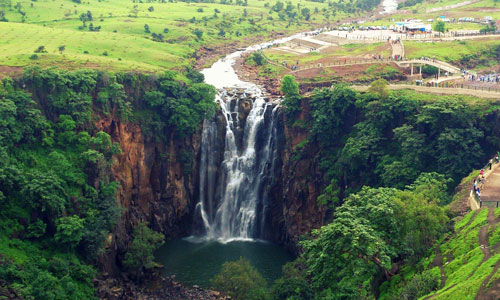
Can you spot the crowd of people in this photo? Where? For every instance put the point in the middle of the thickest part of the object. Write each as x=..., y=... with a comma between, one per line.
x=490, y=78
x=480, y=180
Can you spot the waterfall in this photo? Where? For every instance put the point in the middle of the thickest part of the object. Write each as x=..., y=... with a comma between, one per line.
x=234, y=193
x=235, y=186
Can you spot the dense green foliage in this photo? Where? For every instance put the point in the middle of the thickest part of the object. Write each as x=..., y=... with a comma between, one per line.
x=145, y=241
x=241, y=281
x=388, y=141
x=290, y=90
x=371, y=230
x=57, y=201
x=391, y=161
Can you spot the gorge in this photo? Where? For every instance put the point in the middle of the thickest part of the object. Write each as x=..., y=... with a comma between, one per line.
x=240, y=174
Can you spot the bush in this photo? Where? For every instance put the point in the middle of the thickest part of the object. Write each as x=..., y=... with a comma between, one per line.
x=258, y=58
x=241, y=281
x=140, y=253
x=420, y=285
x=69, y=231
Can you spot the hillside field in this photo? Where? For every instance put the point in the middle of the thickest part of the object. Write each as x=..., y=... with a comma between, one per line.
x=122, y=42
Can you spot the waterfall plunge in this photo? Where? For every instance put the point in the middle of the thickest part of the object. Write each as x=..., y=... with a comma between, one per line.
x=234, y=195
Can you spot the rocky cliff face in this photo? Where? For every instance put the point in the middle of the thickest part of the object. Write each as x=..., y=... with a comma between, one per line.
x=296, y=211
x=157, y=184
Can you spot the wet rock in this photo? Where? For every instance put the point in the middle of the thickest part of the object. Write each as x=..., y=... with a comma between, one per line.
x=157, y=288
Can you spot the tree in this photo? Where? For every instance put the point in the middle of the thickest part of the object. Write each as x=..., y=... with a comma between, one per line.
x=2, y=16
x=289, y=87
x=278, y=6
x=146, y=28
x=145, y=241
x=241, y=281
x=69, y=230
x=258, y=58
x=306, y=12
x=293, y=285
x=151, y=9
x=40, y=49
x=379, y=88
x=290, y=90
x=369, y=231
x=84, y=19
x=440, y=26
x=198, y=33
x=195, y=76
x=61, y=48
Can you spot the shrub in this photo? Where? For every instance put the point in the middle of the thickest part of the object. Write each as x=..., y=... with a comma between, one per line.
x=258, y=58
x=419, y=285
x=241, y=281
x=140, y=253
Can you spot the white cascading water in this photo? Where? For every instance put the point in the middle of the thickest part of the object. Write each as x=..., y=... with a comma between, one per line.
x=234, y=194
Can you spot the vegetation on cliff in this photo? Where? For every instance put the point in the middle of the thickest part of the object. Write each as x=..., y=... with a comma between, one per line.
x=392, y=161
x=57, y=195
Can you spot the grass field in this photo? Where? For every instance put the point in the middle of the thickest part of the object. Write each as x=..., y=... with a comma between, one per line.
x=453, y=51
x=123, y=38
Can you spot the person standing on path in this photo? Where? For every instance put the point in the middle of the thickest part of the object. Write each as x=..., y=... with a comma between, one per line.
x=490, y=163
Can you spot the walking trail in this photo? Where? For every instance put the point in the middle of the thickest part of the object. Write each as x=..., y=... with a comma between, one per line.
x=490, y=191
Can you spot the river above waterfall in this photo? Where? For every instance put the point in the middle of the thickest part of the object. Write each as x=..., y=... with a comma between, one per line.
x=195, y=261
x=389, y=6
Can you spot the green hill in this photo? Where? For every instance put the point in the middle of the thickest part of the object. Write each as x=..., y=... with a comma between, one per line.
x=124, y=42
x=465, y=265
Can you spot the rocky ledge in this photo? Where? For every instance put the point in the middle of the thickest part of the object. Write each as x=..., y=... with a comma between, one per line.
x=163, y=288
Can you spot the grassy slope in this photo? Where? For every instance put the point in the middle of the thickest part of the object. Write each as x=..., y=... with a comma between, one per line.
x=464, y=266
x=452, y=51
x=55, y=23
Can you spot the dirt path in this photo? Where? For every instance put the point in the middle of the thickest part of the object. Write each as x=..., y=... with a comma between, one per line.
x=398, y=50
x=484, y=242
x=493, y=291
x=438, y=261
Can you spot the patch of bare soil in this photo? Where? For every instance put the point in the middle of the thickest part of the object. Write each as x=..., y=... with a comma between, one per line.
x=7, y=71
x=206, y=56
x=438, y=262
x=251, y=74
